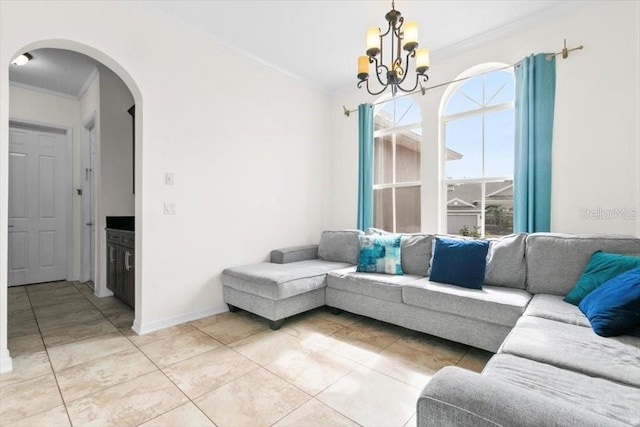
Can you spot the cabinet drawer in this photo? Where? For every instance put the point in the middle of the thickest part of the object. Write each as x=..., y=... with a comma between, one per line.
x=128, y=240
x=113, y=237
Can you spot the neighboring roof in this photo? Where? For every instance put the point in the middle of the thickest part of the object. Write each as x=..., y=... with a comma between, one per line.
x=469, y=195
x=455, y=202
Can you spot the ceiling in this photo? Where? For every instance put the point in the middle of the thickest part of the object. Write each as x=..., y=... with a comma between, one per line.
x=311, y=40
x=56, y=70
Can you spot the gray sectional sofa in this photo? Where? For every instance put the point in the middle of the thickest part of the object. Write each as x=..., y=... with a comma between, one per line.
x=550, y=367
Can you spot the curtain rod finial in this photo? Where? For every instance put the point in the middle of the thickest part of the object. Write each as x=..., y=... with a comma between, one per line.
x=346, y=111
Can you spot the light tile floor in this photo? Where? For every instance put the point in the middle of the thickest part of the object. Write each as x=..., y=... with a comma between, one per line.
x=77, y=362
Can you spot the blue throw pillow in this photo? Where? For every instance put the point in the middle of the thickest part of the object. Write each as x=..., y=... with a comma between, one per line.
x=459, y=262
x=602, y=266
x=379, y=254
x=614, y=308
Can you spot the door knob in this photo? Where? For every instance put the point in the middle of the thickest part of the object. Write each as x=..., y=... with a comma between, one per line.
x=11, y=226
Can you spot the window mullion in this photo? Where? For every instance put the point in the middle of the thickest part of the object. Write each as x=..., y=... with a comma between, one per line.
x=483, y=206
x=393, y=178
x=484, y=184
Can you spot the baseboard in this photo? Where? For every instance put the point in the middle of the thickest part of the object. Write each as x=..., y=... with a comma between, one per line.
x=6, y=363
x=103, y=292
x=146, y=328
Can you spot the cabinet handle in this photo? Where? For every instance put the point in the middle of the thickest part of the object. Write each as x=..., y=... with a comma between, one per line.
x=127, y=266
x=111, y=257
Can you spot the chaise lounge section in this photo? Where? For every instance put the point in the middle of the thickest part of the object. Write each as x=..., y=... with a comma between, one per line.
x=293, y=282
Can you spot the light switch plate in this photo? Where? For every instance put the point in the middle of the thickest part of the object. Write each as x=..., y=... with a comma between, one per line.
x=168, y=178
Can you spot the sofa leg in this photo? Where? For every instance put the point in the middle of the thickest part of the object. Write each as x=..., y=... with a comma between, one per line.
x=335, y=311
x=276, y=324
x=233, y=308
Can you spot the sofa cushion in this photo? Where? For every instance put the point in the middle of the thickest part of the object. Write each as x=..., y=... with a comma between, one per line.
x=381, y=286
x=506, y=265
x=459, y=262
x=614, y=308
x=279, y=281
x=416, y=251
x=576, y=348
x=379, y=254
x=493, y=304
x=598, y=395
x=553, y=307
x=601, y=267
x=555, y=261
x=339, y=246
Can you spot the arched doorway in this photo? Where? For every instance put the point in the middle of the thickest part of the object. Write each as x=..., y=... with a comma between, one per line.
x=87, y=124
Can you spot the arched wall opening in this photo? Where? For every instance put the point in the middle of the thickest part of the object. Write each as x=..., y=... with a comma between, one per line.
x=100, y=245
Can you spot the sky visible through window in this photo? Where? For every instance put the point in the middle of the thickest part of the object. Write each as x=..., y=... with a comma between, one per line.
x=404, y=111
x=464, y=135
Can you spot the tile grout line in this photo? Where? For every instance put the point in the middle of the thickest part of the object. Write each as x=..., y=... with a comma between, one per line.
x=189, y=400
x=53, y=371
x=158, y=368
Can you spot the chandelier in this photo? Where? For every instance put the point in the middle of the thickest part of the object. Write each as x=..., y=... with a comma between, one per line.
x=394, y=74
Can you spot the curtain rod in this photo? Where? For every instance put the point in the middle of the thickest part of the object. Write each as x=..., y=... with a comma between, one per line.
x=564, y=52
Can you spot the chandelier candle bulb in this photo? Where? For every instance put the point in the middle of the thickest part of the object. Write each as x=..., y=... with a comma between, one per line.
x=363, y=67
x=410, y=37
x=373, y=41
x=422, y=59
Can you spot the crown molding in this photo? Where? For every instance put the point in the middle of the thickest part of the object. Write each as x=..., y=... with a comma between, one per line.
x=42, y=90
x=226, y=45
x=506, y=30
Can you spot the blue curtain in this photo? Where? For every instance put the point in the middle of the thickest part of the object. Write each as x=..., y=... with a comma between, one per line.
x=535, y=96
x=365, y=167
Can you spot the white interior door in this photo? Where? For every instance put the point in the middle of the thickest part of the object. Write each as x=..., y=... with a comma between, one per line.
x=37, y=206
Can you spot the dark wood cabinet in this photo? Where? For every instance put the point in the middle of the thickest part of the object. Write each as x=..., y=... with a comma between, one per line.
x=121, y=265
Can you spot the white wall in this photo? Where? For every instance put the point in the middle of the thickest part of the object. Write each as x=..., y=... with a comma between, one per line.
x=247, y=146
x=90, y=116
x=116, y=146
x=43, y=108
x=596, y=151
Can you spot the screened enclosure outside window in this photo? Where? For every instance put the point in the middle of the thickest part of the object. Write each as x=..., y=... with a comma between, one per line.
x=396, y=175
x=479, y=127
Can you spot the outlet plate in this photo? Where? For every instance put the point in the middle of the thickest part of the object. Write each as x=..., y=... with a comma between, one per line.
x=169, y=208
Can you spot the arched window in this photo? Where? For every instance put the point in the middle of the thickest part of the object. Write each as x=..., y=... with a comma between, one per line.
x=396, y=174
x=477, y=122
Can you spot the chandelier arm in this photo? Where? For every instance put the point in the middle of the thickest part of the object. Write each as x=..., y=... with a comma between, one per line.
x=398, y=32
x=411, y=89
x=381, y=69
x=406, y=71
x=415, y=86
x=374, y=93
x=387, y=32
x=381, y=50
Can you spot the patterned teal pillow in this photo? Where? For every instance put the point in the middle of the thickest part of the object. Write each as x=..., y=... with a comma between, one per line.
x=379, y=254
